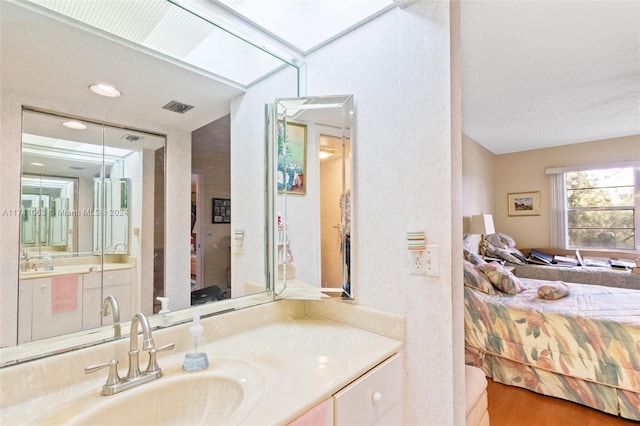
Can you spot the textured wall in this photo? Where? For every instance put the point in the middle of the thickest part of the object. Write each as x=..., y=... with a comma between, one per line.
x=398, y=69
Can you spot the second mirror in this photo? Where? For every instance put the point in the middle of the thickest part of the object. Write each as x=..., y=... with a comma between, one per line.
x=311, y=141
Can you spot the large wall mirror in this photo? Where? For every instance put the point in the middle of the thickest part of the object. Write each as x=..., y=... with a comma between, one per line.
x=181, y=97
x=312, y=139
x=89, y=191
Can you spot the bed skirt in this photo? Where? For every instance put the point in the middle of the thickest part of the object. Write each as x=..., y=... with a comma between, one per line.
x=606, y=398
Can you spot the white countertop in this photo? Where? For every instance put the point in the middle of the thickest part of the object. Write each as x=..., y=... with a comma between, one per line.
x=302, y=360
x=73, y=269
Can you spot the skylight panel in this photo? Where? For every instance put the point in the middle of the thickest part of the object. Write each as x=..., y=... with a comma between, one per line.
x=307, y=24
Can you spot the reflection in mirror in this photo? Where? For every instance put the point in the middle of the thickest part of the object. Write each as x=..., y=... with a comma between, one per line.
x=82, y=188
x=111, y=226
x=312, y=138
x=153, y=69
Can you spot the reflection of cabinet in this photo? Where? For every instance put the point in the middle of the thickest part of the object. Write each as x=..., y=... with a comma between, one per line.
x=39, y=317
x=372, y=399
x=116, y=283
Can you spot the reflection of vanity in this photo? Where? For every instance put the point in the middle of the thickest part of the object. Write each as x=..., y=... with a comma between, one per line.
x=69, y=298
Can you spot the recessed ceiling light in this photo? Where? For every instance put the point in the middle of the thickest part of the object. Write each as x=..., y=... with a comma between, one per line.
x=105, y=90
x=326, y=152
x=37, y=164
x=76, y=125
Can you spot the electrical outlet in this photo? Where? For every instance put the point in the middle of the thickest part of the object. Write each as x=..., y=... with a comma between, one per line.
x=417, y=262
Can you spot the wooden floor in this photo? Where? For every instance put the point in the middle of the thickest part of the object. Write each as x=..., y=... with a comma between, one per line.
x=513, y=406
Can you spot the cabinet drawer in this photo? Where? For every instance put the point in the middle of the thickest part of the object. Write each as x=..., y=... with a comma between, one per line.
x=117, y=277
x=374, y=398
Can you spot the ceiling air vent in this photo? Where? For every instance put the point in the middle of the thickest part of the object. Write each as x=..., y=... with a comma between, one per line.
x=178, y=107
x=131, y=138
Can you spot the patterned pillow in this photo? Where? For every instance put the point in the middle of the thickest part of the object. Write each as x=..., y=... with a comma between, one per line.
x=503, y=253
x=501, y=240
x=475, y=279
x=552, y=291
x=501, y=278
x=474, y=258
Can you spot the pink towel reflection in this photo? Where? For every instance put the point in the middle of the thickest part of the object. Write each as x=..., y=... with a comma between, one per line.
x=64, y=293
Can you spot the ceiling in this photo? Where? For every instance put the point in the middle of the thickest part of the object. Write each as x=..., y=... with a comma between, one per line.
x=307, y=25
x=534, y=73
x=541, y=73
x=46, y=60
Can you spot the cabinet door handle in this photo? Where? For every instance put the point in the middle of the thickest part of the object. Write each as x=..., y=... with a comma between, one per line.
x=376, y=397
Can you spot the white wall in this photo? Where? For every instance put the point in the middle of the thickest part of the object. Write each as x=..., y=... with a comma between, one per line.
x=248, y=172
x=398, y=69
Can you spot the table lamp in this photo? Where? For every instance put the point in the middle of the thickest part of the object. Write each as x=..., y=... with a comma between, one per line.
x=482, y=224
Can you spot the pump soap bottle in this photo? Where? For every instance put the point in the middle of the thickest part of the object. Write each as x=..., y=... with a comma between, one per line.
x=196, y=356
x=165, y=315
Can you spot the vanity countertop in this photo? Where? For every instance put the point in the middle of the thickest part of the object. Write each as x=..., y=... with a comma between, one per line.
x=304, y=352
x=73, y=269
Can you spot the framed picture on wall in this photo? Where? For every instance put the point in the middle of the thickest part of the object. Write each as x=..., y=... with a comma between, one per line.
x=221, y=211
x=524, y=203
x=292, y=158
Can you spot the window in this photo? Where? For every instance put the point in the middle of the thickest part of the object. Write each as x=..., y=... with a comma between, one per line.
x=598, y=208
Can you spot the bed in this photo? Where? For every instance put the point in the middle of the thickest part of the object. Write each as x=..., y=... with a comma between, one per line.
x=583, y=347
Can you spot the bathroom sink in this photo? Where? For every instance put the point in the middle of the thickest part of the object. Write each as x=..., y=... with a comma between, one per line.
x=225, y=393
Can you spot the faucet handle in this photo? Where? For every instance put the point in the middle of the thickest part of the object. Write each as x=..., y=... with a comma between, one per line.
x=113, y=378
x=153, y=367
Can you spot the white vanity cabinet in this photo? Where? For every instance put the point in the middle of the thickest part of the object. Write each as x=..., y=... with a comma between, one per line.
x=116, y=283
x=372, y=399
x=44, y=312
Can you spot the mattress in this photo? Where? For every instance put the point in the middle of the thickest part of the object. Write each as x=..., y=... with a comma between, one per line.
x=592, y=334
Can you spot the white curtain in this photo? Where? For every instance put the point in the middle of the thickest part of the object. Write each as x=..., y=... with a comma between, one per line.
x=559, y=235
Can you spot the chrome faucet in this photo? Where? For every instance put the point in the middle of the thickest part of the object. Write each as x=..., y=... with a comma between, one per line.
x=147, y=343
x=26, y=266
x=111, y=300
x=124, y=246
x=114, y=383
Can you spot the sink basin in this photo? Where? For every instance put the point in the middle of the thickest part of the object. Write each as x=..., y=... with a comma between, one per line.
x=225, y=393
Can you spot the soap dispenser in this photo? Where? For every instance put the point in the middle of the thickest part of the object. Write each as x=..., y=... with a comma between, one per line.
x=196, y=356
x=165, y=315
x=47, y=261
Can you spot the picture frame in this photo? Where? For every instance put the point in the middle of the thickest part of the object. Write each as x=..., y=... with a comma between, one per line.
x=292, y=158
x=221, y=210
x=523, y=203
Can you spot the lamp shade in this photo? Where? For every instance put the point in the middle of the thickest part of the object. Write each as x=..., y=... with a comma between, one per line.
x=482, y=224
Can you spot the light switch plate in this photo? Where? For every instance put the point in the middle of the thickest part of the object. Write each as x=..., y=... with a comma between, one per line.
x=431, y=261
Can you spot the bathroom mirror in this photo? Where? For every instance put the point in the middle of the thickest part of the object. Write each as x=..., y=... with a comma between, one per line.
x=49, y=71
x=88, y=192
x=312, y=139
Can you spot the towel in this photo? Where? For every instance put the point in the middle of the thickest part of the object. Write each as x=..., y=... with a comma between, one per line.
x=64, y=293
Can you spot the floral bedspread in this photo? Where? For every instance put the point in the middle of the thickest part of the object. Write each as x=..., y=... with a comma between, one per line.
x=593, y=334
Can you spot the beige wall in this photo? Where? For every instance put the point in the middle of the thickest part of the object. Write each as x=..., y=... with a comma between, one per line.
x=477, y=180
x=525, y=171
